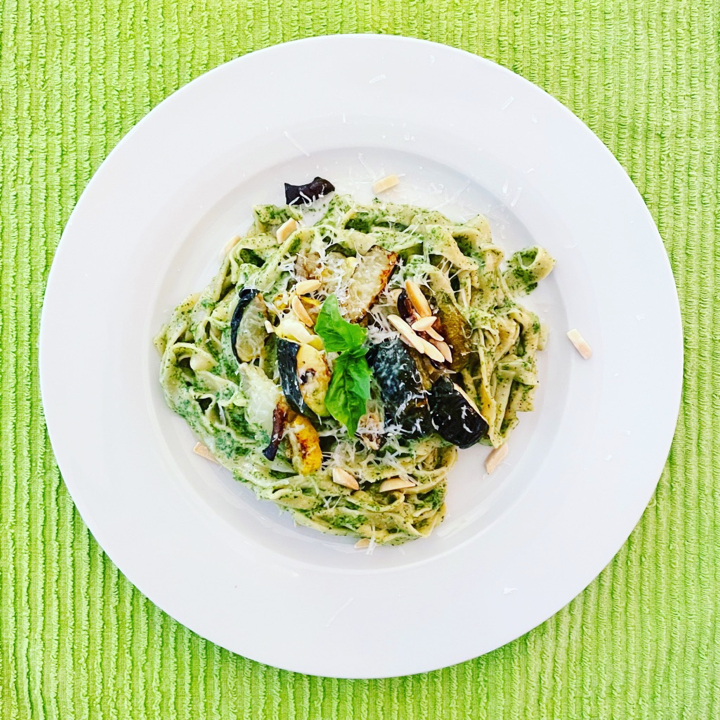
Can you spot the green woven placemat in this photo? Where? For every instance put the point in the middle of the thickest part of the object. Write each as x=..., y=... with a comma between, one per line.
x=78, y=641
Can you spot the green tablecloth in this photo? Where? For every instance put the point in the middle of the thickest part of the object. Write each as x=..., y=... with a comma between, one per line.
x=77, y=640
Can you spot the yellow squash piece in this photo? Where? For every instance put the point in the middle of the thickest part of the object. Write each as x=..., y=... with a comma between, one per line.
x=313, y=378
x=305, y=445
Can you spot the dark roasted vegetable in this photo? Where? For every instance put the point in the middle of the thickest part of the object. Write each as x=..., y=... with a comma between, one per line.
x=280, y=416
x=287, y=356
x=428, y=369
x=308, y=193
x=401, y=390
x=405, y=308
x=247, y=326
x=456, y=331
x=454, y=415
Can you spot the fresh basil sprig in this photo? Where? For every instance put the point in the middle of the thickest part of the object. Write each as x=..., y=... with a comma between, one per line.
x=349, y=390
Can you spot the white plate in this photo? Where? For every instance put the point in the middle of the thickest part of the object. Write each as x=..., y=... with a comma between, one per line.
x=468, y=136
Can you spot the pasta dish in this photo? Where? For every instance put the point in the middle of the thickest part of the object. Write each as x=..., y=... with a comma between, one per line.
x=336, y=366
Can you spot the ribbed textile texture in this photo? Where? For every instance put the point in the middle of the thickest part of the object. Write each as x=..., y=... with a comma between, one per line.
x=78, y=641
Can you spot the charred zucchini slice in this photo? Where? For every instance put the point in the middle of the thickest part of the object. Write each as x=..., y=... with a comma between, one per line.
x=401, y=390
x=304, y=377
x=309, y=192
x=287, y=352
x=367, y=282
x=280, y=415
x=454, y=416
x=247, y=326
x=456, y=331
x=313, y=376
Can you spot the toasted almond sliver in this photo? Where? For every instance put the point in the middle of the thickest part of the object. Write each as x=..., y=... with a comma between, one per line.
x=230, y=244
x=202, y=451
x=286, y=230
x=434, y=334
x=307, y=286
x=380, y=186
x=423, y=323
x=407, y=332
x=396, y=483
x=496, y=457
x=301, y=312
x=417, y=298
x=344, y=478
x=362, y=543
x=444, y=349
x=580, y=344
x=431, y=351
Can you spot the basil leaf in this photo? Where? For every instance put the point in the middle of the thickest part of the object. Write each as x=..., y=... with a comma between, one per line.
x=349, y=390
x=337, y=334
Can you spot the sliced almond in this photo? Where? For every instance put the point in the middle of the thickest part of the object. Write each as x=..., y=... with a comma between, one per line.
x=434, y=334
x=380, y=186
x=307, y=286
x=417, y=298
x=230, y=244
x=423, y=324
x=301, y=312
x=431, y=351
x=269, y=327
x=396, y=483
x=344, y=478
x=580, y=344
x=286, y=230
x=362, y=543
x=495, y=458
x=444, y=349
x=407, y=332
x=203, y=451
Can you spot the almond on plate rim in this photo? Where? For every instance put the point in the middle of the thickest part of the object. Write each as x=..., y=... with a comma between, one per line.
x=496, y=456
x=385, y=183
